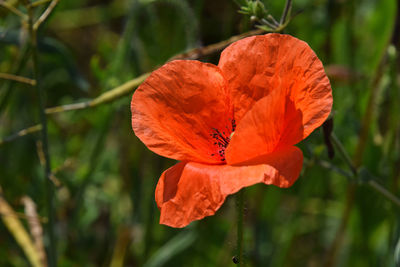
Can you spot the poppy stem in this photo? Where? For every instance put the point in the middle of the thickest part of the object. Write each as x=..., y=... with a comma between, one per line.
x=240, y=212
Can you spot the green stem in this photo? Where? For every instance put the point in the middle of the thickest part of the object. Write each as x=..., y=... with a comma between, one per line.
x=26, y=131
x=286, y=12
x=384, y=192
x=13, y=10
x=239, y=211
x=371, y=181
x=47, y=169
x=39, y=2
x=344, y=154
x=16, y=78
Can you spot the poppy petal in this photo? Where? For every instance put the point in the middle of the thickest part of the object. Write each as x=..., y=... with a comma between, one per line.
x=257, y=65
x=176, y=109
x=191, y=191
x=262, y=129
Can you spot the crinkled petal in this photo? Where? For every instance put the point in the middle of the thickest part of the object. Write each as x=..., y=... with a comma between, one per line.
x=257, y=65
x=176, y=109
x=265, y=128
x=192, y=191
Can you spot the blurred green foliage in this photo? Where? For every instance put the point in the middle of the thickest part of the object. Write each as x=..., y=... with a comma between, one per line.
x=105, y=208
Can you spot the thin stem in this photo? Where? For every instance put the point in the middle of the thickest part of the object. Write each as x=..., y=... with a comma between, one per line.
x=26, y=131
x=13, y=9
x=374, y=184
x=47, y=169
x=17, y=78
x=276, y=23
x=270, y=24
x=108, y=96
x=286, y=10
x=68, y=107
x=20, y=62
x=39, y=2
x=213, y=48
x=370, y=179
x=344, y=154
x=329, y=166
x=45, y=14
x=239, y=211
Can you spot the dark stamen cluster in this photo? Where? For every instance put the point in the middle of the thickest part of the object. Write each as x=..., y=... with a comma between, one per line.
x=222, y=140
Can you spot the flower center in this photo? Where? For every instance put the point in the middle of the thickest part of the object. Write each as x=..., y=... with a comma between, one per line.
x=221, y=139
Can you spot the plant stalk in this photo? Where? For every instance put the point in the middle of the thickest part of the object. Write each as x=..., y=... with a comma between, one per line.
x=344, y=154
x=51, y=248
x=239, y=211
x=286, y=11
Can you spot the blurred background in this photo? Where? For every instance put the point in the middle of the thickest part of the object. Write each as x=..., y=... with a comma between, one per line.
x=105, y=177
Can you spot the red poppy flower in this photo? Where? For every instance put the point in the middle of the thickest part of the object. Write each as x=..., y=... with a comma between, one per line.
x=231, y=125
